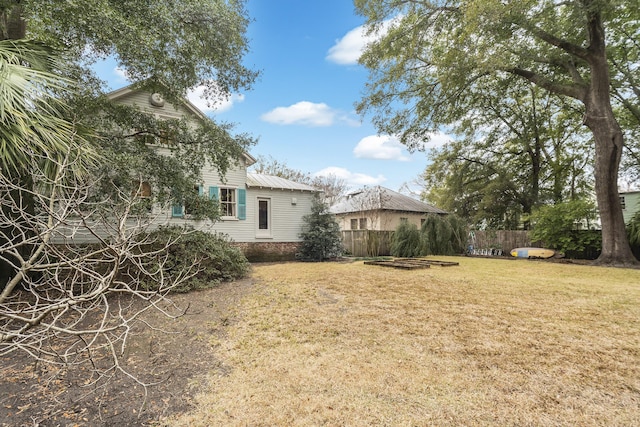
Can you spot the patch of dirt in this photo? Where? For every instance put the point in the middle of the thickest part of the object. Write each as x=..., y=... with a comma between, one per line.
x=35, y=395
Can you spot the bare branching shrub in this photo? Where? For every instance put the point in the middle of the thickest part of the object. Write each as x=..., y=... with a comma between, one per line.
x=74, y=261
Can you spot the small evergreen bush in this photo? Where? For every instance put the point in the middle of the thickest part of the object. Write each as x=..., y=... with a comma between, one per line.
x=405, y=242
x=321, y=238
x=212, y=253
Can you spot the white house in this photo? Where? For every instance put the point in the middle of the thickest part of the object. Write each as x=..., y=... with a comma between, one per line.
x=630, y=201
x=262, y=214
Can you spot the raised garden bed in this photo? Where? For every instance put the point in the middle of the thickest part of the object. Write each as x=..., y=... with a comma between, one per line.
x=411, y=263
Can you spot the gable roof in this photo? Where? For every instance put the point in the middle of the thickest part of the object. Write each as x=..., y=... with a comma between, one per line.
x=258, y=180
x=381, y=198
x=127, y=90
x=188, y=105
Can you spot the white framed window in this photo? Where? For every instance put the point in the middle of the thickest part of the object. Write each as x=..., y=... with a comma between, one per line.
x=363, y=223
x=163, y=138
x=141, y=190
x=264, y=218
x=228, y=202
x=354, y=224
x=233, y=202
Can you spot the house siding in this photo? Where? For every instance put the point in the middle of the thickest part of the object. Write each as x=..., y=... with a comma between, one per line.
x=287, y=219
x=286, y=216
x=380, y=221
x=631, y=204
x=141, y=100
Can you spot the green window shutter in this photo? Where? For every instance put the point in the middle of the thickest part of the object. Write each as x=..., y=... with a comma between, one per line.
x=242, y=203
x=213, y=193
x=200, y=190
x=177, y=210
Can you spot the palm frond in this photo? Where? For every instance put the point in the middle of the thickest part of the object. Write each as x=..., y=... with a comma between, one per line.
x=31, y=116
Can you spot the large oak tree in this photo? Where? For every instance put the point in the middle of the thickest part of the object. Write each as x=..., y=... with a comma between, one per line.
x=423, y=67
x=518, y=148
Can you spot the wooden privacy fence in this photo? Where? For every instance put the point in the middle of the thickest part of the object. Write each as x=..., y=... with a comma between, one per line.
x=367, y=242
x=364, y=243
x=370, y=243
x=499, y=239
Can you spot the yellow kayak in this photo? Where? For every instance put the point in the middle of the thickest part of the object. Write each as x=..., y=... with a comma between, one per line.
x=532, y=253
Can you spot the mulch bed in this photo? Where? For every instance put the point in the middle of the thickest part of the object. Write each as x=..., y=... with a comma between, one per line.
x=34, y=394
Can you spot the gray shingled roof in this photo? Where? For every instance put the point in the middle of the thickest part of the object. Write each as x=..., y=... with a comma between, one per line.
x=258, y=180
x=381, y=198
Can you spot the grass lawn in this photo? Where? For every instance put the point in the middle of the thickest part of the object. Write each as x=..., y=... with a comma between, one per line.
x=489, y=342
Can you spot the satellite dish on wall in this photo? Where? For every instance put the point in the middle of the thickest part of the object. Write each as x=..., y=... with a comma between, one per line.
x=156, y=100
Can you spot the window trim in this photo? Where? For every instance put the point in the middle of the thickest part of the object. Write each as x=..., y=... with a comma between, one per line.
x=364, y=221
x=233, y=203
x=239, y=202
x=268, y=232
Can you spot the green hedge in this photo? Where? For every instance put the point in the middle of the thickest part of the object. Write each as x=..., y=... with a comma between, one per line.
x=211, y=253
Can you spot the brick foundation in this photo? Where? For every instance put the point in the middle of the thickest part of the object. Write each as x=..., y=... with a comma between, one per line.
x=268, y=251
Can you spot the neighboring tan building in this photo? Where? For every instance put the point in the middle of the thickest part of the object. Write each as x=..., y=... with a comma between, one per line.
x=379, y=208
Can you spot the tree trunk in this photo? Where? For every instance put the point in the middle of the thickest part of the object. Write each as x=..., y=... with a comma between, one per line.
x=608, y=152
x=608, y=148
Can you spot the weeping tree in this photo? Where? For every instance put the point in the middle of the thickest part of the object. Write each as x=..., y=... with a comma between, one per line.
x=406, y=241
x=443, y=235
x=438, y=235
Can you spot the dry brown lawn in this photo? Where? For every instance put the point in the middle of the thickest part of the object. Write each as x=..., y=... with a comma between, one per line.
x=490, y=342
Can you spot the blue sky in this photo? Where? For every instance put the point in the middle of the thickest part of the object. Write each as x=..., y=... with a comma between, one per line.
x=302, y=107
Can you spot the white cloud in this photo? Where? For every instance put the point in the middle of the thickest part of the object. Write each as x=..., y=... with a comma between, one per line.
x=437, y=139
x=302, y=113
x=195, y=95
x=387, y=147
x=349, y=48
x=351, y=178
x=381, y=147
x=122, y=74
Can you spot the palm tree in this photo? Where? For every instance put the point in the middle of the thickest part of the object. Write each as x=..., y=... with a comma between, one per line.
x=32, y=126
